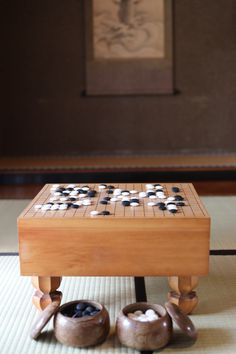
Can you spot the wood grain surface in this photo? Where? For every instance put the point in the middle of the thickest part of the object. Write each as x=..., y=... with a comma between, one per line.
x=130, y=241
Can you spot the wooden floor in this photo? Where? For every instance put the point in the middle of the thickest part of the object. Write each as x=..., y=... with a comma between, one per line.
x=23, y=177
x=93, y=163
x=28, y=191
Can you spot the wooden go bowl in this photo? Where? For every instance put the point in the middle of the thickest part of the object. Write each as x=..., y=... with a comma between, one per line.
x=150, y=335
x=84, y=331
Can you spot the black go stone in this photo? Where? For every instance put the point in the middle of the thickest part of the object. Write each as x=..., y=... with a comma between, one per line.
x=175, y=189
x=78, y=314
x=105, y=212
x=89, y=309
x=107, y=198
x=126, y=203
x=179, y=197
x=110, y=187
x=72, y=199
x=69, y=204
x=151, y=193
x=160, y=204
x=75, y=206
x=60, y=189
x=80, y=191
x=124, y=191
x=180, y=203
x=162, y=207
x=81, y=306
x=110, y=191
x=134, y=200
x=70, y=189
x=103, y=201
x=173, y=211
x=91, y=193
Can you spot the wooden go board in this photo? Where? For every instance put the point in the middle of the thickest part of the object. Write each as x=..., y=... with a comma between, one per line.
x=141, y=240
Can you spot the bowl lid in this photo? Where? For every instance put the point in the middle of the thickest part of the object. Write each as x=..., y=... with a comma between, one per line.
x=182, y=320
x=43, y=319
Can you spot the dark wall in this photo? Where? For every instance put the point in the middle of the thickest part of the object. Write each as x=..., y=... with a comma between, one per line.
x=44, y=111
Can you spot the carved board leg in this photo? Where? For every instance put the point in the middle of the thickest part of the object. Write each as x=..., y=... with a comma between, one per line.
x=182, y=293
x=46, y=291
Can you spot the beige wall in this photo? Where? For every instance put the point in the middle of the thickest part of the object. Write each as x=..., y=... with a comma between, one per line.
x=44, y=111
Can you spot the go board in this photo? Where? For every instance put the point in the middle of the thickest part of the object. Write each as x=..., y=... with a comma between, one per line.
x=142, y=238
x=192, y=205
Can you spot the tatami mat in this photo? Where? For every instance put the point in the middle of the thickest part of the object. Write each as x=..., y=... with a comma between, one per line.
x=223, y=221
x=9, y=211
x=215, y=316
x=17, y=314
x=221, y=210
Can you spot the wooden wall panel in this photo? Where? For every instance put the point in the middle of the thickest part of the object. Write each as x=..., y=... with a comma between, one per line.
x=44, y=110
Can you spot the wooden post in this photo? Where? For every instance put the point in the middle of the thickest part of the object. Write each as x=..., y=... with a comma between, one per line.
x=46, y=291
x=182, y=293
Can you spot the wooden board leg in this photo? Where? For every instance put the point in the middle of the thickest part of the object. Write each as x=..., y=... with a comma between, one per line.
x=46, y=291
x=182, y=293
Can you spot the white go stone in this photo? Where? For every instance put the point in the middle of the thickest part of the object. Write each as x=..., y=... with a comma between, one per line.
x=117, y=191
x=159, y=188
x=72, y=193
x=151, y=203
x=82, y=195
x=85, y=188
x=125, y=199
x=55, y=207
x=149, y=186
x=71, y=186
x=54, y=187
x=134, y=204
x=53, y=199
x=142, y=194
x=150, y=312
x=138, y=313
x=57, y=194
x=170, y=199
x=132, y=316
x=152, y=196
x=101, y=187
x=94, y=212
x=172, y=207
x=133, y=191
x=143, y=318
x=38, y=206
x=161, y=195
x=87, y=202
x=63, y=207
x=114, y=199
x=78, y=202
x=63, y=199
x=125, y=193
x=46, y=207
x=149, y=191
